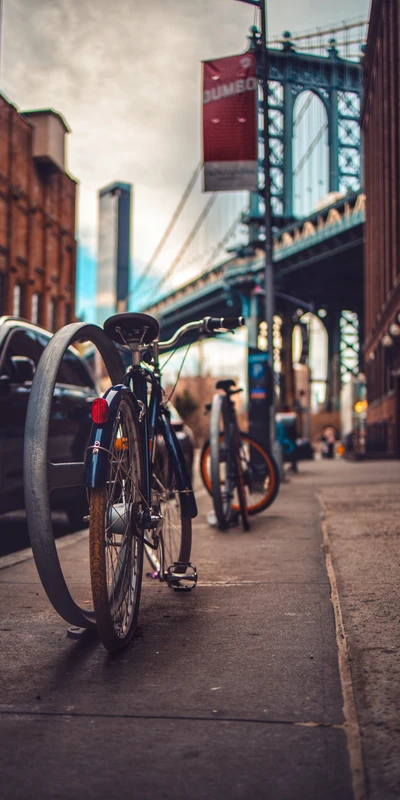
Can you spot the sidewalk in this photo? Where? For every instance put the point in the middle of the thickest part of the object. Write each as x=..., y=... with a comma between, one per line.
x=362, y=531
x=232, y=691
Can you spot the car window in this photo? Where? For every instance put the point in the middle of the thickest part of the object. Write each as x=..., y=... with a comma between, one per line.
x=21, y=343
x=29, y=343
x=73, y=371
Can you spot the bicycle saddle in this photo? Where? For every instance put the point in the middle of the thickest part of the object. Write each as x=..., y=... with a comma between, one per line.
x=225, y=385
x=128, y=326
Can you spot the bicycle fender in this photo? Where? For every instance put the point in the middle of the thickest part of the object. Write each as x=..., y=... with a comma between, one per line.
x=98, y=449
x=186, y=493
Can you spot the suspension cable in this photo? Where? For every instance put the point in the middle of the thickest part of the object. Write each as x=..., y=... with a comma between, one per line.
x=311, y=34
x=310, y=149
x=225, y=239
x=171, y=269
x=170, y=226
x=303, y=110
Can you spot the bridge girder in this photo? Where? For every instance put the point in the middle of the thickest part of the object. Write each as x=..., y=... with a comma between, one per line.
x=318, y=260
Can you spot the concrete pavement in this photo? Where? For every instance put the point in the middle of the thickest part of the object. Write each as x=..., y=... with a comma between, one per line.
x=361, y=523
x=232, y=691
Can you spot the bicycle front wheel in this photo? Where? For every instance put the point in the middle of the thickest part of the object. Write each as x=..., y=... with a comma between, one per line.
x=116, y=546
x=260, y=474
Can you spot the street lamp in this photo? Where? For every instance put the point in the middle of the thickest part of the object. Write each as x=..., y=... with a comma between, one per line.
x=269, y=267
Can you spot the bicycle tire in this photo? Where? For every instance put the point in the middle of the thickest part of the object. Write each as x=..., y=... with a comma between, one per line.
x=116, y=553
x=175, y=536
x=240, y=485
x=222, y=456
x=268, y=475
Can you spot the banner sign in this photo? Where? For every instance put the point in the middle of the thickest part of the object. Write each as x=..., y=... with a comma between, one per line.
x=230, y=124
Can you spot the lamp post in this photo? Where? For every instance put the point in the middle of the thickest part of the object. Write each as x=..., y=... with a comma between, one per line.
x=269, y=267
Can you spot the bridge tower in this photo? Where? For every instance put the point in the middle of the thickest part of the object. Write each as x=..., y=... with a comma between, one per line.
x=337, y=82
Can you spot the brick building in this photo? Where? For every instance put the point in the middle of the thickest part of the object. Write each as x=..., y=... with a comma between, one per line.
x=381, y=130
x=37, y=218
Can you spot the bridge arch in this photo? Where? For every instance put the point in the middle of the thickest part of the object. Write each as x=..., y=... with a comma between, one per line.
x=310, y=151
x=337, y=83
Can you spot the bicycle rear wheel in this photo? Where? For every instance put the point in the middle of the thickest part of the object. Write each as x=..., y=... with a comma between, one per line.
x=260, y=474
x=223, y=468
x=116, y=551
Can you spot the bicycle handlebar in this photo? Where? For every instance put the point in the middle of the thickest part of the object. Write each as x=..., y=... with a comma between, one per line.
x=206, y=325
x=212, y=324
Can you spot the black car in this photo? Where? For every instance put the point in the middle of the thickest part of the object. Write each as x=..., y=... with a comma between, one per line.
x=21, y=345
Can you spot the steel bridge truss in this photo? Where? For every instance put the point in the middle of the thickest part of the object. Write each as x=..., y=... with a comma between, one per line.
x=337, y=83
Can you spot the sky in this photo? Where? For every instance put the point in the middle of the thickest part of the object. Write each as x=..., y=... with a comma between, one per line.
x=126, y=75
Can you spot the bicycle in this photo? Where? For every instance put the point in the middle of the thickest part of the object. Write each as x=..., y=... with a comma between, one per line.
x=140, y=493
x=233, y=460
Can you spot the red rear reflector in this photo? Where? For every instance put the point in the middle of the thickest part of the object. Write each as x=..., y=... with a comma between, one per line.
x=99, y=411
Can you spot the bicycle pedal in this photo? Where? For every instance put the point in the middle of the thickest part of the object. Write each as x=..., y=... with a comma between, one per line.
x=182, y=576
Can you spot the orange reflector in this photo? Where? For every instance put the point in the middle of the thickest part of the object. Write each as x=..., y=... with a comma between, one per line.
x=121, y=443
x=99, y=411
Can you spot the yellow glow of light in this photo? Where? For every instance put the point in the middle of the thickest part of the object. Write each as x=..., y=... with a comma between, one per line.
x=361, y=406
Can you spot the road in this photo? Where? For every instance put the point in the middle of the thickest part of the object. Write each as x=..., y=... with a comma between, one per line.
x=231, y=691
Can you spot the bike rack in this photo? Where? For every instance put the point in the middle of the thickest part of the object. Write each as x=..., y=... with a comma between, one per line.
x=41, y=476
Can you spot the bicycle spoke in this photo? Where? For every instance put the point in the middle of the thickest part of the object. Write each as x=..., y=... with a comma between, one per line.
x=113, y=538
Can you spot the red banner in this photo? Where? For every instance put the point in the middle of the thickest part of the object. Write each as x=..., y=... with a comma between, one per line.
x=230, y=124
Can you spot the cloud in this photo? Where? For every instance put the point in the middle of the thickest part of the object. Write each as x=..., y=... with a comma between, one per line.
x=127, y=76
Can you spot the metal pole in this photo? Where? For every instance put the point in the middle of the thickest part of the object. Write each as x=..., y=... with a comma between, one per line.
x=269, y=267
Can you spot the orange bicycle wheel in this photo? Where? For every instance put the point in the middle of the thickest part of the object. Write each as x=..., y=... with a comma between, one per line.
x=260, y=474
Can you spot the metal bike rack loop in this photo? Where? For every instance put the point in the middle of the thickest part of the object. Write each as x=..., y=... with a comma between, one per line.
x=41, y=475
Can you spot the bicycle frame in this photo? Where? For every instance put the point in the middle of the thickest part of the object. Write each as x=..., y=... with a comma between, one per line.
x=154, y=419
x=153, y=415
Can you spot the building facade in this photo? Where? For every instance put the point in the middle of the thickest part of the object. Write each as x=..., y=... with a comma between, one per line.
x=381, y=131
x=114, y=250
x=37, y=218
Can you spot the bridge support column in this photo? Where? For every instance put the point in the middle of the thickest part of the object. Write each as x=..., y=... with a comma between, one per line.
x=260, y=378
x=332, y=324
x=288, y=105
x=287, y=376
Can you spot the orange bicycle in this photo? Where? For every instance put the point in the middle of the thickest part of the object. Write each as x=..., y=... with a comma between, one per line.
x=242, y=477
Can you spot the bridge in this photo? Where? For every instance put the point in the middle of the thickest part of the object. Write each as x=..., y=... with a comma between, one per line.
x=327, y=246
x=314, y=109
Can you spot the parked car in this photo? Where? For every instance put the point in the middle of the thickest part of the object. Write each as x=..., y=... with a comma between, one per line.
x=21, y=345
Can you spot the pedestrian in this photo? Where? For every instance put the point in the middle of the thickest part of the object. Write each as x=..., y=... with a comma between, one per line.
x=328, y=442
x=288, y=445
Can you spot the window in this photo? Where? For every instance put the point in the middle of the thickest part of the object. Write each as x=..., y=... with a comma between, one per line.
x=67, y=314
x=35, y=311
x=73, y=372
x=51, y=314
x=17, y=300
x=21, y=343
